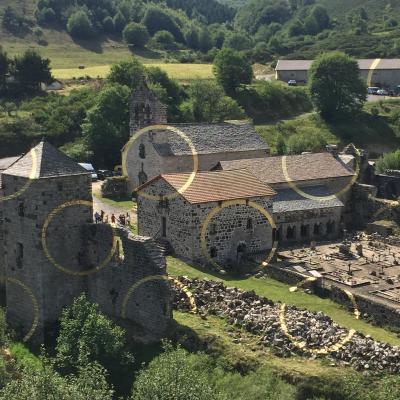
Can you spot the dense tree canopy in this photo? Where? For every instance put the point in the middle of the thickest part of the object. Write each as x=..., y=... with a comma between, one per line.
x=136, y=34
x=231, y=69
x=87, y=335
x=336, y=87
x=79, y=25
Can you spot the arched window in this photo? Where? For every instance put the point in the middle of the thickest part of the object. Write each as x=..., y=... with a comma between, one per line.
x=137, y=113
x=330, y=227
x=21, y=209
x=142, y=151
x=291, y=232
x=148, y=113
x=249, y=223
x=304, y=231
x=142, y=178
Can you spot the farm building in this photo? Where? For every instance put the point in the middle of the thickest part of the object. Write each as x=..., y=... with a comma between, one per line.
x=376, y=72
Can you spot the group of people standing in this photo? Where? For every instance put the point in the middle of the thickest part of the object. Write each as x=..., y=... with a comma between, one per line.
x=122, y=219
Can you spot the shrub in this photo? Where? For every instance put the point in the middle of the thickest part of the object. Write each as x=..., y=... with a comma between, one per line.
x=389, y=161
x=79, y=25
x=173, y=375
x=136, y=34
x=165, y=39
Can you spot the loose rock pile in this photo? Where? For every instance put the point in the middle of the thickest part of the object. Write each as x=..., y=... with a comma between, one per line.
x=313, y=330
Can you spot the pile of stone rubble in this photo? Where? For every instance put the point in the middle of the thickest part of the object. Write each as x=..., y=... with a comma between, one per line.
x=307, y=333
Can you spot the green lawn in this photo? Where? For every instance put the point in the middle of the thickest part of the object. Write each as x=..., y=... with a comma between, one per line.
x=181, y=72
x=123, y=203
x=277, y=291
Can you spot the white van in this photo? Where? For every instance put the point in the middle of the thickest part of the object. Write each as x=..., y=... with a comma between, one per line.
x=90, y=168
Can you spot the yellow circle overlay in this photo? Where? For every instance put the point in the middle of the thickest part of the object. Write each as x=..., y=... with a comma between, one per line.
x=32, y=176
x=294, y=186
x=324, y=350
x=217, y=209
x=68, y=271
x=34, y=303
x=150, y=278
x=181, y=134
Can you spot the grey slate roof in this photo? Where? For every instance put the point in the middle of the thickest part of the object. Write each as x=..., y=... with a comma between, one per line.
x=290, y=200
x=50, y=162
x=364, y=64
x=212, y=138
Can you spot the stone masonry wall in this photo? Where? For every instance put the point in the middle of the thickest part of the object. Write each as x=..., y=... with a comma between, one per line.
x=24, y=257
x=226, y=230
x=148, y=311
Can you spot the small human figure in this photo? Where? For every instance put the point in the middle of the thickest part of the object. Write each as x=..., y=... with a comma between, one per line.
x=128, y=219
x=106, y=219
x=96, y=217
x=102, y=215
x=112, y=218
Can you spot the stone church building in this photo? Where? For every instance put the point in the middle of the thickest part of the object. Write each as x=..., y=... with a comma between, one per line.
x=234, y=232
x=163, y=151
x=51, y=252
x=306, y=194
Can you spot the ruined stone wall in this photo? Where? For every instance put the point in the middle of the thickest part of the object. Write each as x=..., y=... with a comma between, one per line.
x=25, y=259
x=128, y=279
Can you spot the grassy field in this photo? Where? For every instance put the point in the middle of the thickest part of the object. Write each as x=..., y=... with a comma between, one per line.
x=181, y=72
x=278, y=291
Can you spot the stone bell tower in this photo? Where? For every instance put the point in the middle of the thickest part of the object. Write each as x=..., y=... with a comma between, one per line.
x=146, y=109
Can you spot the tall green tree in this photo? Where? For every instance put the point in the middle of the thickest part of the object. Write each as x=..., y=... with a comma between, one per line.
x=31, y=70
x=336, y=87
x=86, y=335
x=127, y=73
x=232, y=69
x=79, y=25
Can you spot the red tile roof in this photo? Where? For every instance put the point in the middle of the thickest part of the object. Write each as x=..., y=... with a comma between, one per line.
x=213, y=186
x=302, y=167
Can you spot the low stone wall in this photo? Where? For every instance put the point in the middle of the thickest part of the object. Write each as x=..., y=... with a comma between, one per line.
x=383, y=314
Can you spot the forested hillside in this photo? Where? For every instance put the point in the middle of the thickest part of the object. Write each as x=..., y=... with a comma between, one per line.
x=193, y=30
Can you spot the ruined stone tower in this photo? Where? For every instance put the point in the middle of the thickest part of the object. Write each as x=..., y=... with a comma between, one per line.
x=56, y=180
x=52, y=252
x=146, y=109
